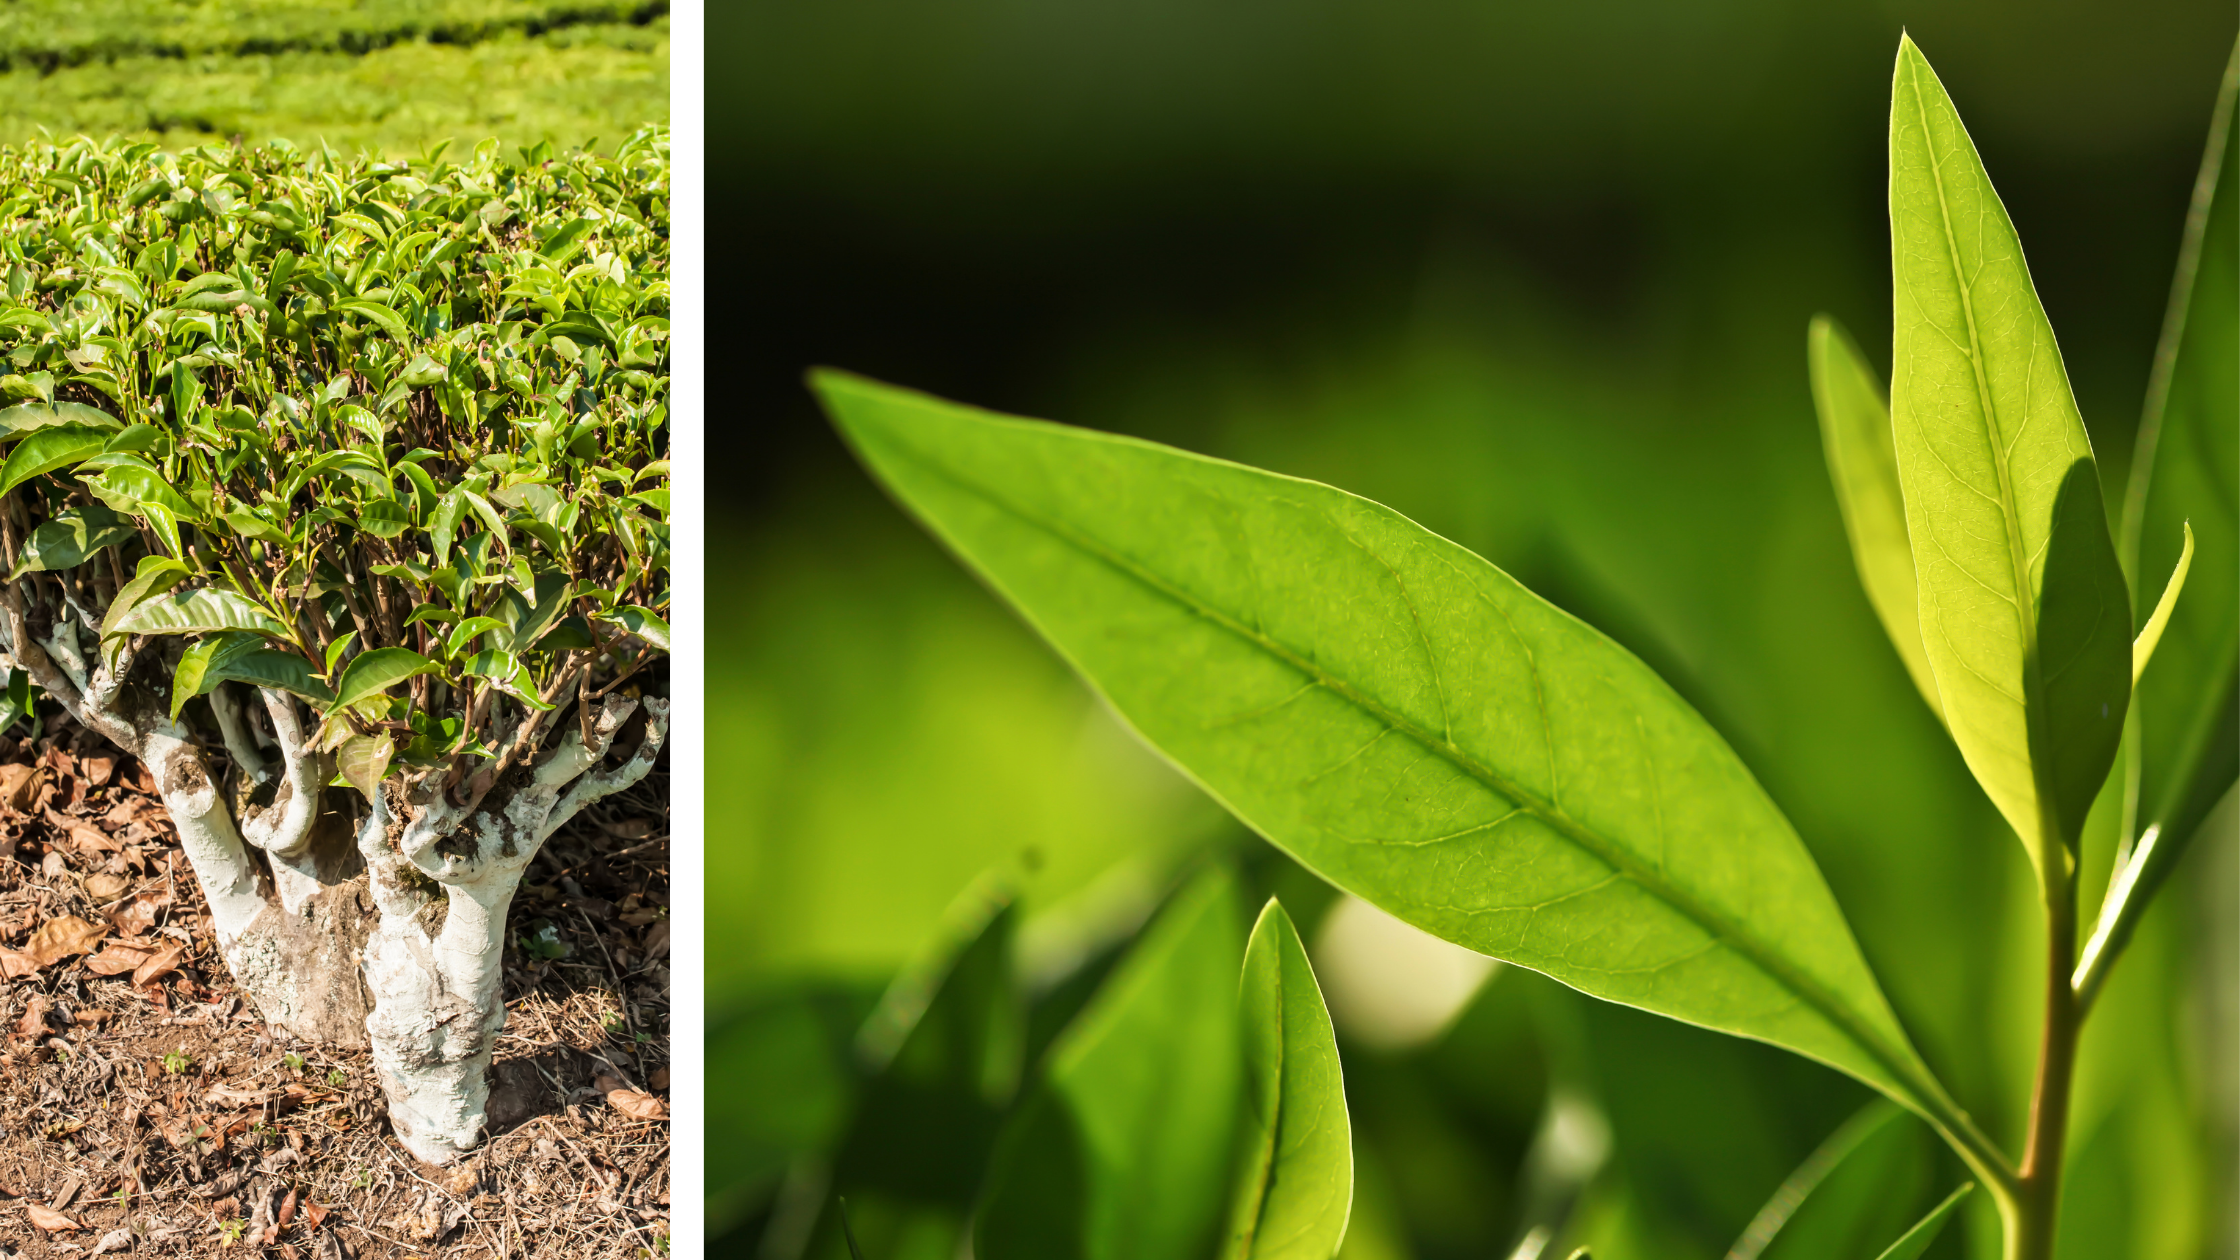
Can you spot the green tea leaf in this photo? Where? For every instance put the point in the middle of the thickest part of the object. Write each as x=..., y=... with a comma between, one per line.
x=643, y=622
x=2024, y=613
x=1405, y=719
x=48, y=449
x=1297, y=1189
x=1119, y=1151
x=25, y=417
x=2150, y=634
x=1916, y=1240
x=374, y=672
x=280, y=671
x=1863, y=463
x=199, y=611
x=66, y=541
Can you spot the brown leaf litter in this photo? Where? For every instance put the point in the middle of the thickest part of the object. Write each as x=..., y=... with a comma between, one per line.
x=144, y=1111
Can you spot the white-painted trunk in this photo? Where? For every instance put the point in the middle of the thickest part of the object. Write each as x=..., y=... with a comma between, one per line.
x=425, y=888
x=443, y=880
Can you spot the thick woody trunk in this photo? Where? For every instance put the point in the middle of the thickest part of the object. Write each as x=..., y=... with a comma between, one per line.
x=392, y=937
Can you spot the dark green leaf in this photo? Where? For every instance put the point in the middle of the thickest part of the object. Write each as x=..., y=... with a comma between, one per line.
x=372, y=673
x=1120, y=1150
x=199, y=611
x=47, y=449
x=66, y=541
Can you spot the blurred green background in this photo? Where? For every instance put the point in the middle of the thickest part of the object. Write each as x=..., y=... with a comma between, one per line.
x=393, y=76
x=1537, y=276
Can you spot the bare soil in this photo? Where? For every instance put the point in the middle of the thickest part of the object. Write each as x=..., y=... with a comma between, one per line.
x=145, y=1110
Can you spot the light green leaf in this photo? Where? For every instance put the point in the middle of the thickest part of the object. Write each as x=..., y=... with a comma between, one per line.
x=1917, y=1239
x=23, y=418
x=1863, y=463
x=388, y=320
x=1120, y=1149
x=155, y=575
x=2150, y=634
x=464, y=634
x=130, y=489
x=384, y=518
x=2024, y=613
x=1405, y=719
x=340, y=645
x=363, y=761
x=199, y=611
x=48, y=449
x=186, y=680
x=1297, y=1189
x=66, y=541
x=374, y=672
x=643, y=622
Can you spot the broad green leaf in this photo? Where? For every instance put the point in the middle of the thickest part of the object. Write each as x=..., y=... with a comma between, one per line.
x=186, y=680
x=384, y=518
x=643, y=622
x=278, y=670
x=464, y=634
x=66, y=541
x=1297, y=1189
x=2024, y=613
x=1405, y=719
x=129, y=489
x=388, y=320
x=1863, y=463
x=198, y=611
x=1120, y=1150
x=374, y=672
x=1916, y=1240
x=48, y=449
x=25, y=417
x=2186, y=469
x=1847, y=1198
x=363, y=761
x=153, y=576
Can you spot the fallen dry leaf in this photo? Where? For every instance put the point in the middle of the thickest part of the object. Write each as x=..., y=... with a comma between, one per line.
x=657, y=939
x=162, y=961
x=106, y=887
x=313, y=1213
x=49, y=1220
x=16, y=782
x=287, y=1213
x=139, y=914
x=34, y=1021
x=57, y=939
x=229, y=1096
x=122, y=956
x=89, y=1016
x=14, y=965
x=97, y=769
x=87, y=837
x=659, y=1079
x=637, y=1105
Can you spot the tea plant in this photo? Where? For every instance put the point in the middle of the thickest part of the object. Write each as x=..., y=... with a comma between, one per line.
x=1412, y=724
x=335, y=493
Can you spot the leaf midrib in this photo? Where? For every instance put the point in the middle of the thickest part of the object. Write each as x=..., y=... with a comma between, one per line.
x=1722, y=930
x=2017, y=554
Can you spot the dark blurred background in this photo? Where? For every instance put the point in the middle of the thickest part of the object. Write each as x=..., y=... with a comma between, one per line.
x=1537, y=276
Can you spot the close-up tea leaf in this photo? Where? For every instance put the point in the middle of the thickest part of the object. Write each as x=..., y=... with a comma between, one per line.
x=1297, y=1189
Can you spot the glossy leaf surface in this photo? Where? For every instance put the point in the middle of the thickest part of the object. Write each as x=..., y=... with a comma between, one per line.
x=66, y=540
x=370, y=673
x=198, y=611
x=1297, y=1190
x=1120, y=1151
x=2025, y=617
x=1404, y=718
x=1863, y=464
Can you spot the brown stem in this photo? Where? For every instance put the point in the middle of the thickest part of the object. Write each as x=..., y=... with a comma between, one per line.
x=2038, y=1192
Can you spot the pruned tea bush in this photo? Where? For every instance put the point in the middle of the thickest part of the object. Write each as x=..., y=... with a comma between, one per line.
x=323, y=472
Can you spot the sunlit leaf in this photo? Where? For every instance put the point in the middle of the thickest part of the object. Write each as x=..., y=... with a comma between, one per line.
x=1405, y=719
x=2025, y=616
x=1297, y=1189
x=1863, y=463
x=1120, y=1150
x=374, y=672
